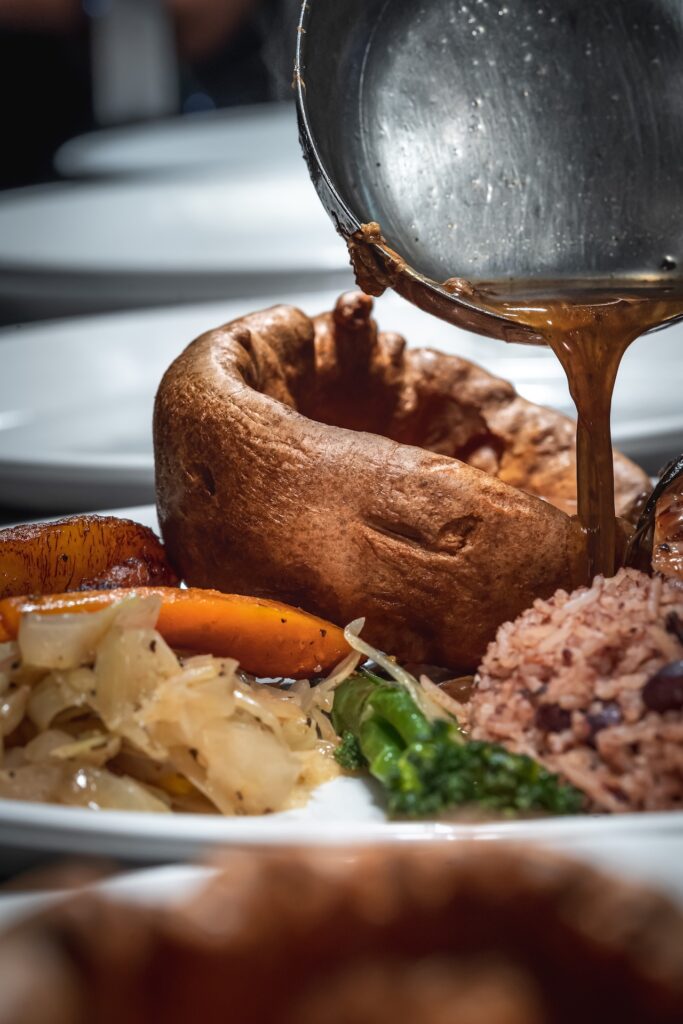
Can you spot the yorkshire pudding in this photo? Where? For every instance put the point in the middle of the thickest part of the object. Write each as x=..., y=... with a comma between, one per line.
x=325, y=464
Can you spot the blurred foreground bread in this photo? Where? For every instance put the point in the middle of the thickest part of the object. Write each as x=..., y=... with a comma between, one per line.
x=461, y=934
x=324, y=464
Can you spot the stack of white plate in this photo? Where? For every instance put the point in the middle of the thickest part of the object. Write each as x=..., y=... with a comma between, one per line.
x=76, y=395
x=208, y=211
x=232, y=140
x=215, y=208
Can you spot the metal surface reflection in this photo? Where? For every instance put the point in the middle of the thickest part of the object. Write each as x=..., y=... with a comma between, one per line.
x=491, y=139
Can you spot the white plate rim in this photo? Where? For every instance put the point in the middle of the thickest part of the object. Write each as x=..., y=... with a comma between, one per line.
x=324, y=254
x=77, y=158
x=54, y=826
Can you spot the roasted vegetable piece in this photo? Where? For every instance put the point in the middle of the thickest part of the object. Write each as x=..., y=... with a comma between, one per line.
x=658, y=539
x=428, y=767
x=667, y=549
x=81, y=553
x=266, y=637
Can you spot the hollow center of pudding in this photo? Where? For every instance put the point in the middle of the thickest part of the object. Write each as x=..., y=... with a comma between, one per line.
x=365, y=380
x=415, y=397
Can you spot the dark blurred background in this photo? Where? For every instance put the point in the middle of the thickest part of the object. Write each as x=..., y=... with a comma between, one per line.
x=69, y=66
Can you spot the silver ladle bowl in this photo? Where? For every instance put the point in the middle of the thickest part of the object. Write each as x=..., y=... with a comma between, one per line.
x=496, y=139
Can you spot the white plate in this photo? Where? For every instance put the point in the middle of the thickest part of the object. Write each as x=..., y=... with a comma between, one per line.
x=149, y=887
x=237, y=139
x=78, y=248
x=342, y=811
x=76, y=395
x=653, y=858
x=267, y=222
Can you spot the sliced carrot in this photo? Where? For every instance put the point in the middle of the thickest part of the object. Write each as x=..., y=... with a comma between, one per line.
x=266, y=637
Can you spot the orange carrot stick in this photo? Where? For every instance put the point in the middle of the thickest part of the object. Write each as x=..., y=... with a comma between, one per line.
x=266, y=637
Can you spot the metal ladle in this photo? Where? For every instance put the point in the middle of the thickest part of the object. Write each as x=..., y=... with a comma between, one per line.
x=496, y=139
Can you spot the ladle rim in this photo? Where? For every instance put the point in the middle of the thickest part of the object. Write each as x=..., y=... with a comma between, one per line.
x=422, y=291
x=419, y=289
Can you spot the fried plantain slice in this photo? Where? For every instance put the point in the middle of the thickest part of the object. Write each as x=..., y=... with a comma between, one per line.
x=85, y=552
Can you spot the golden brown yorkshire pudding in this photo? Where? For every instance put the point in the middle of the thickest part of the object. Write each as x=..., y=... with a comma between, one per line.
x=323, y=463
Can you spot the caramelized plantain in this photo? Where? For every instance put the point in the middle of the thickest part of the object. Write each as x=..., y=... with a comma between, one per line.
x=658, y=538
x=85, y=552
x=667, y=547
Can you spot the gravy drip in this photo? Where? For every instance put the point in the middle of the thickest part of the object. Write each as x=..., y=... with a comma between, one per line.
x=589, y=325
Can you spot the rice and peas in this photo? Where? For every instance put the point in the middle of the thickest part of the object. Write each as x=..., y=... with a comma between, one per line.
x=591, y=684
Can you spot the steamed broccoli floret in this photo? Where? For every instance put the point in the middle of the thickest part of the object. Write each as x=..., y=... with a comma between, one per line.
x=427, y=767
x=348, y=753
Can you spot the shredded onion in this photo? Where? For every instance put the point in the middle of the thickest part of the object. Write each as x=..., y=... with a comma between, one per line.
x=432, y=701
x=12, y=709
x=252, y=706
x=70, y=640
x=93, y=750
x=324, y=726
x=397, y=673
x=111, y=717
x=440, y=697
x=345, y=668
x=53, y=695
x=9, y=652
x=41, y=747
x=100, y=789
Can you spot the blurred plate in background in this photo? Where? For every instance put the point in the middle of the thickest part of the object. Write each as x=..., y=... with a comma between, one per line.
x=76, y=396
x=82, y=248
x=654, y=860
x=164, y=886
x=233, y=140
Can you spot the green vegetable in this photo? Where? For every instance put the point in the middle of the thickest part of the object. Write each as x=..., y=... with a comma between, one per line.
x=427, y=767
x=348, y=753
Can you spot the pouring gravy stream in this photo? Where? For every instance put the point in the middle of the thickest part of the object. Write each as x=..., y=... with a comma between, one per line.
x=589, y=325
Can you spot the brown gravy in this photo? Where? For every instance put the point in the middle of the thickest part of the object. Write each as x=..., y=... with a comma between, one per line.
x=589, y=325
